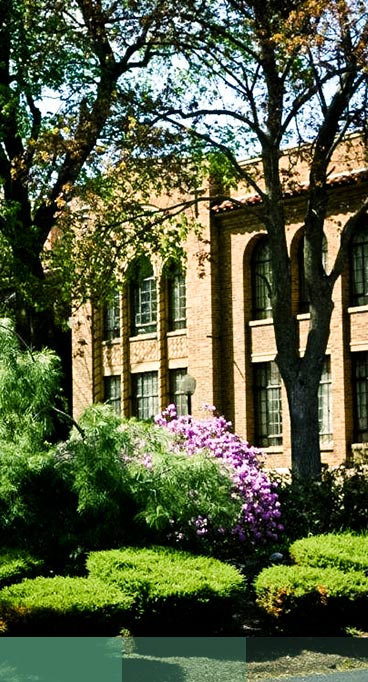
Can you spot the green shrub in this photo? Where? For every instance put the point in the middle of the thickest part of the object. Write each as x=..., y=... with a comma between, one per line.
x=38, y=508
x=147, y=591
x=16, y=565
x=64, y=606
x=29, y=385
x=344, y=551
x=338, y=502
x=99, y=479
x=130, y=482
x=180, y=593
x=311, y=600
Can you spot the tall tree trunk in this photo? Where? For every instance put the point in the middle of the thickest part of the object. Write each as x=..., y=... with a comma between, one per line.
x=303, y=409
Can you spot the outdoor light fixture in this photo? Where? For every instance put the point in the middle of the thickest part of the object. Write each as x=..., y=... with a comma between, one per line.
x=188, y=386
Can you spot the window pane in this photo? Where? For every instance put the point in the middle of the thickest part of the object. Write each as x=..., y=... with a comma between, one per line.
x=325, y=404
x=111, y=318
x=359, y=267
x=144, y=300
x=177, y=397
x=268, y=408
x=262, y=281
x=177, y=302
x=360, y=388
x=145, y=395
x=112, y=392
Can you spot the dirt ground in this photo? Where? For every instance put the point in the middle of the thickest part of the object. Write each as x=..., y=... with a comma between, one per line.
x=287, y=656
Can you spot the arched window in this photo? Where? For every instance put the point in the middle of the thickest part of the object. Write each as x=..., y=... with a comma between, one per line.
x=177, y=299
x=261, y=280
x=359, y=266
x=143, y=298
x=303, y=294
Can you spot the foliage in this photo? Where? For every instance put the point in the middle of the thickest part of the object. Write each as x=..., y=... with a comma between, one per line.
x=179, y=592
x=29, y=383
x=131, y=478
x=338, y=502
x=36, y=503
x=71, y=146
x=134, y=589
x=178, y=495
x=64, y=606
x=259, y=506
x=167, y=572
x=306, y=599
x=345, y=551
x=16, y=564
x=99, y=479
x=328, y=586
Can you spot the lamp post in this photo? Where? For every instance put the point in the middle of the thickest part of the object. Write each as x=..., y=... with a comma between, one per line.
x=188, y=385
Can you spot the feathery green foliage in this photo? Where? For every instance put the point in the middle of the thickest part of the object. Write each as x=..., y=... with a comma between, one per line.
x=29, y=382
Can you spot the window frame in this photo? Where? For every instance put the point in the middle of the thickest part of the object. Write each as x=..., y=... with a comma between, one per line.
x=267, y=391
x=176, y=395
x=325, y=412
x=112, y=392
x=360, y=395
x=359, y=252
x=143, y=300
x=177, y=300
x=261, y=274
x=111, y=318
x=145, y=403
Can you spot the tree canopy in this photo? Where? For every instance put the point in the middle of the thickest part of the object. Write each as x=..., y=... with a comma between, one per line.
x=69, y=140
x=271, y=75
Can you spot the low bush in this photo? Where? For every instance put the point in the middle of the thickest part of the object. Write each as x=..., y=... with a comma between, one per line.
x=154, y=591
x=338, y=502
x=16, y=565
x=65, y=606
x=345, y=551
x=257, y=516
x=180, y=593
x=310, y=600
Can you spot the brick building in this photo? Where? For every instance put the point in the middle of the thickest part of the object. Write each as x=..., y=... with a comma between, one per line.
x=212, y=319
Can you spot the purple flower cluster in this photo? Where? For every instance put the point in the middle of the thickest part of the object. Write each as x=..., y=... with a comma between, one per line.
x=260, y=509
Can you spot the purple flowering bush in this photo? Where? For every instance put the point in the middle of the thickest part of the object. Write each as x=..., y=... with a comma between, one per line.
x=183, y=481
x=258, y=514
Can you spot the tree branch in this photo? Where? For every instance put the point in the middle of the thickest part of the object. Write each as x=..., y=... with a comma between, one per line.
x=345, y=241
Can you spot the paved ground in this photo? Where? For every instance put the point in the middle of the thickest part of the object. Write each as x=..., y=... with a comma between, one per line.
x=346, y=676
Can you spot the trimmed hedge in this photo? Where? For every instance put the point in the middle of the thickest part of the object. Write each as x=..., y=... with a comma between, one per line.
x=308, y=599
x=345, y=551
x=180, y=593
x=150, y=592
x=16, y=564
x=64, y=606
